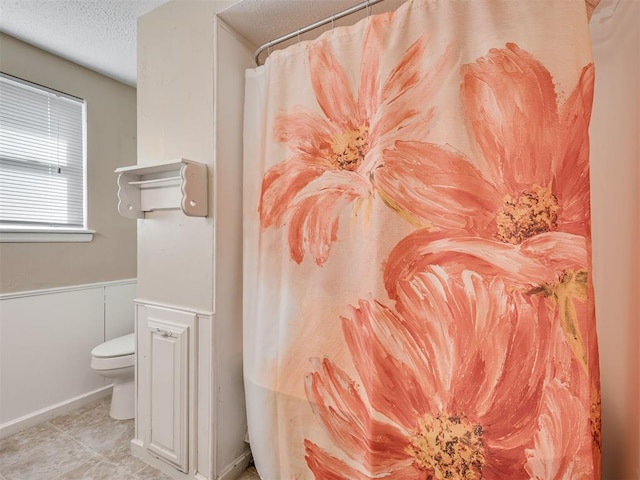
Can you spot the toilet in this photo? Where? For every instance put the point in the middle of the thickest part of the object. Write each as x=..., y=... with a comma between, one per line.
x=115, y=359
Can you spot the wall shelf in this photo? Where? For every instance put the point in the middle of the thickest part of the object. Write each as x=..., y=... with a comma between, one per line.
x=178, y=184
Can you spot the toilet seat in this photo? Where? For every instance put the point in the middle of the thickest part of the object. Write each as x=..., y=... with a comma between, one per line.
x=114, y=354
x=112, y=363
x=116, y=347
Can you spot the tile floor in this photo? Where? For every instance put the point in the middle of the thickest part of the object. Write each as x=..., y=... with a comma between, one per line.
x=85, y=444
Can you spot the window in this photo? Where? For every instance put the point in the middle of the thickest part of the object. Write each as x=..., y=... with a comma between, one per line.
x=42, y=161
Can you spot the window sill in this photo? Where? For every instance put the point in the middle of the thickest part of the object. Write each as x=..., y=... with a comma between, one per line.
x=45, y=236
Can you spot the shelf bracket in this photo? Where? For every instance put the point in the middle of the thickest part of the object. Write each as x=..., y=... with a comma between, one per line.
x=178, y=184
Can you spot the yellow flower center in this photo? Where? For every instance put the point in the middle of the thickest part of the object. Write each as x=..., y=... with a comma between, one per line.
x=349, y=148
x=532, y=213
x=448, y=446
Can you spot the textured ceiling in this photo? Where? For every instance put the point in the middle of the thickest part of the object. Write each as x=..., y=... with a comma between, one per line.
x=97, y=34
x=101, y=34
x=260, y=21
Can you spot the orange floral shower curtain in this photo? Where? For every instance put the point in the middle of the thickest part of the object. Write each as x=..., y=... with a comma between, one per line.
x=418, y=295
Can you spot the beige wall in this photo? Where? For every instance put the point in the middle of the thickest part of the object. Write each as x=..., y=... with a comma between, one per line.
x=111, y=143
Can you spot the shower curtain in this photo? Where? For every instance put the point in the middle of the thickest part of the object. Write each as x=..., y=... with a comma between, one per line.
x=418, y=299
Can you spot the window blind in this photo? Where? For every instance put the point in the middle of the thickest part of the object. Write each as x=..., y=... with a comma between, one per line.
x=42, y=157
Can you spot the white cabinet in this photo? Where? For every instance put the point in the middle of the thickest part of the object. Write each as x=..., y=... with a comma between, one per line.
x=169, y=383
x=189, y=242
x=165, y=382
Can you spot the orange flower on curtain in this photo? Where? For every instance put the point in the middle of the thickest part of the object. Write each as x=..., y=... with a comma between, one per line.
x=525, y=195
x=341, y=158
x=564, y=426
x=456, y=387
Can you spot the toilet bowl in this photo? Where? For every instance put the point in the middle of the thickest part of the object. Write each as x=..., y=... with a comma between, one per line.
x=115, y=359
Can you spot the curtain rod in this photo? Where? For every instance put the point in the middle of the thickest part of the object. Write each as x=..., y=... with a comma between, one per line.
x=313, y=26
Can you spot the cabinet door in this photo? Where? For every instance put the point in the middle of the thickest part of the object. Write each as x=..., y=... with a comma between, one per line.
x=169, y=375
x=165, y=344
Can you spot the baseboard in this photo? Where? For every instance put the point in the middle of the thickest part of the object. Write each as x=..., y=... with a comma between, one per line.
x=41, y=416
x=235, y=468
x=231, y=472
x=138, y=450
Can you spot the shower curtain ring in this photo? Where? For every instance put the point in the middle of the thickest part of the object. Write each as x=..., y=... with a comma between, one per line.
x=333, y=18
x=368, y=8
